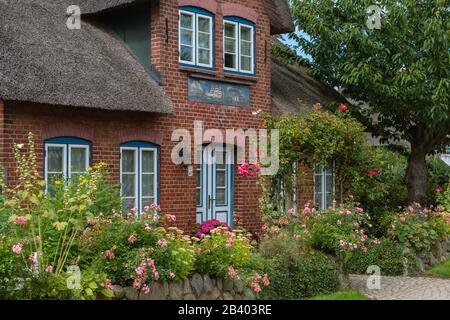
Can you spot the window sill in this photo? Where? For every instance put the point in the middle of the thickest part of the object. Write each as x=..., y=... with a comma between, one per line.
x=217, y=76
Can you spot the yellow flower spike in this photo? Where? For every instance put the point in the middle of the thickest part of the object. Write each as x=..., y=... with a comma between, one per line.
x=58, y=182
x=90, y=169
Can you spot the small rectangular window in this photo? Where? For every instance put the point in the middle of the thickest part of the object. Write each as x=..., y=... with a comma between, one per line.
x=239, y=46
x=195, y=39
x=246, y=48
x=129, y=178
x=230, y=46
x=324, y=187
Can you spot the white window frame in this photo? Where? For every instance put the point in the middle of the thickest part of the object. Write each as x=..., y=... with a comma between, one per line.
x=78, y=146
x=239, y=55
x=136, y=191
x=195, y=45
x=323, y=191
x=138, y=202
x=194, y=37
x=64, y=167
x=252, y=48
x=155, y=176
x=236, y=43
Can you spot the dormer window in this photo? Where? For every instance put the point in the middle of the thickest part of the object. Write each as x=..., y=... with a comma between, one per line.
x=239, y=45
x=195, y=37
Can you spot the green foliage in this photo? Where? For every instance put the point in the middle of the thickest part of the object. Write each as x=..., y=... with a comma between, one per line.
x=419, y=228
x=441, y=270
x=444, y=197
x=387, y=255
x=342, y=295
x=118, y=246
x=294, y=276
x=220, y=250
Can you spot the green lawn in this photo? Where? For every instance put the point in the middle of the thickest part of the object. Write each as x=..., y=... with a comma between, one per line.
x=441, y=270
x=341, y=295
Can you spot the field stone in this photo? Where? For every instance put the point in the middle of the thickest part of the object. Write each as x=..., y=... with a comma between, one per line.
x=197, y=284
x=228, y=285
x=227, y=296
x=248, y=294
x=207, y=284
x=238, y=286
x=118, y=291
x=189, y=296
x=131, y=293
x=186, y=287
x=176, y=291
x=157, y=292
x=433, y=260
x=215, y=294
x=219, y=284
x=238, y=297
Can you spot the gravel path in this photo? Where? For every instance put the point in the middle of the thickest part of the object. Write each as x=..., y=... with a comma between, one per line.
x=404, y=288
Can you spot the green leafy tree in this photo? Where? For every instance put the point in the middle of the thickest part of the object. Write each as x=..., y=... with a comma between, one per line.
x=399, y=72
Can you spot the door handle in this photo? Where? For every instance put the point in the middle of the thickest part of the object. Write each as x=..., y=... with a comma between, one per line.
x=210, y=200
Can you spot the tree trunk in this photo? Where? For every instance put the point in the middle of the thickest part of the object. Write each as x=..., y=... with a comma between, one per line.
x=417, y=175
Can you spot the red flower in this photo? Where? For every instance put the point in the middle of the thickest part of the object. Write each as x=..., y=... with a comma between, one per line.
x=380, y=172
x=343, y=108
x=372, y=173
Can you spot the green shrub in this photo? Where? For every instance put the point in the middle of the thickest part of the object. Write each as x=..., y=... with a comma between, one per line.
x=444, y=197
x=295, y=276
x=388, y=255
x=220, y=250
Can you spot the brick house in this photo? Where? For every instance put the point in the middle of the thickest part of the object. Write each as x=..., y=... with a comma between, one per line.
x=115, y=90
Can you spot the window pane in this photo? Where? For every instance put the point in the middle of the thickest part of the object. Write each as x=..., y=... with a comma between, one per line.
x=186, y=53
x=128, y=185
x=148, y=185
x=148, y=159
x=318, y=200
x=186, y=37
x=220, y=197
x=329, y=201
x=55, y=159
x=246, y=63
x=246, y=48
x=230, y=61
x=78, y=159
x=221, y=178
x=187, y=21
x=230, y=30
x=199, y=197
x=230, y=45
x=329, y=184
x=148, y=201
x=128, y=161
x=129, y=204
x=204, y=24
x=199, y=178
x=318, y=183
x=246, y=33
x=203, y=41
x=203, y=56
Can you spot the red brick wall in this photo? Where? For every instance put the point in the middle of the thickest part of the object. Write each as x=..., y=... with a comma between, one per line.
x=107, y=130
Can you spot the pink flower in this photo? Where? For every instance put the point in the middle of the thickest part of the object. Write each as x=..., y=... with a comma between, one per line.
x=266, y=280
x=171, y=275
x=146, y=208
x=49, y=269
x=230, y=242
x=155, y=207
x=359, y=210
x=438, y=189
x=146, y=289
x=342, y=243
x=108, y=285
x=162, y=243
x=109, y=255
x=171, y=217
x=232, y=273
x=256, y=287
x=132, y=239
x=343, y=108
x=91, y=222
x=339, y=222
x=134, y=210
x=376, y=241
x=155, y=218
x=21, y=220
x=291, y=211
x=17, y=248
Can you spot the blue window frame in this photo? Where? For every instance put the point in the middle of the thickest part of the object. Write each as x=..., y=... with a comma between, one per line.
x=139, y=174
x=196, y=37
x=239, y=45
x=65, y=157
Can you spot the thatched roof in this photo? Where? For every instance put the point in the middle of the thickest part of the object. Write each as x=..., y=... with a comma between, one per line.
x=295, y=91
x=43, y=61
x=280, y=15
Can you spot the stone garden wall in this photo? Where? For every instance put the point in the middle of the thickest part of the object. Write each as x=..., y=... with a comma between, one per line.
x=197, y=287
x=439, y=252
